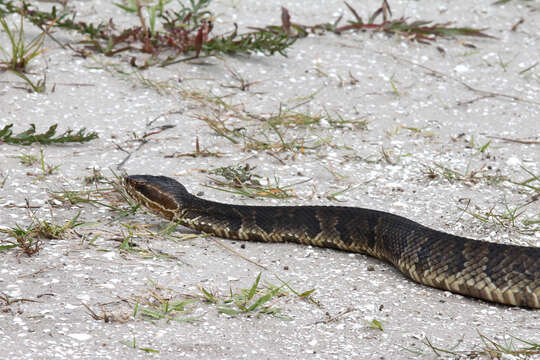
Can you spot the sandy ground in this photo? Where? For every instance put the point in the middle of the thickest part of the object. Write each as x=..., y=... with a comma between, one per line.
x=425, y=107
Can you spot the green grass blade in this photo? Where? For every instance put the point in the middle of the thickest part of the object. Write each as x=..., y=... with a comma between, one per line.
x=253, y=289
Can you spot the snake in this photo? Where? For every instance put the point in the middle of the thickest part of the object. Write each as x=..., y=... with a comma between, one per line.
x=499, y=273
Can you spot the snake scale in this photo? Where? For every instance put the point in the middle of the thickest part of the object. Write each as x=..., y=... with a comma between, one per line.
x=506, y=274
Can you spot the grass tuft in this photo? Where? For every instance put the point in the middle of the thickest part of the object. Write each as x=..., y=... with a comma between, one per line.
x=21, y=53
x=240, y=180
x=490, y=349
x=256, y=300
x=29, y=238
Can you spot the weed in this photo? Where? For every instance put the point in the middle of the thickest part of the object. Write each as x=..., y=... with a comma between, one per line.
x=532, y=183
x=254, y=300
x=29, y=136
x=133, y=344
x=306, y=295
x=250, y=142
x=21, y=53
x=238, y=175
x=160, y=304
x=241, y=83
x=153, y=10
x=472, y=176
x=288, y=117
x=508, y=217
x=240, y=180
x=96, y=177
x=181, y=32
x=29, y=238
x=422, y=31
x=337, y=121
x=129, y=246
x=111, y=196
x=39, y=86
x=27, y=159
x=46, y=168
x=333, y=318
x=273, y=140
x=376, y=324
x=168, y=310
x=187, y=34
x=513, y=347
x=197, y=153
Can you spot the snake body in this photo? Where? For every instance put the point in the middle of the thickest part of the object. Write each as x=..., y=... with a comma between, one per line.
x=505, y=274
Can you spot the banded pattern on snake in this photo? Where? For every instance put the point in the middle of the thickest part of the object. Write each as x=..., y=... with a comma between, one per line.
x=505, y=274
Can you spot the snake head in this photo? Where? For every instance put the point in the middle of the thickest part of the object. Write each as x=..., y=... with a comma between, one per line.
x=160, y=194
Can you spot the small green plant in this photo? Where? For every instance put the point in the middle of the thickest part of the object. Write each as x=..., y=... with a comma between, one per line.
x=171, y=36
x=376, y=324
x=254, y=300
x=246, y=301
x=133, y=344
x=240, y=180
x=27, y=159
x=38, y=87
x=469, y=175
x=46, y=168
x=197, y=153
x=29, y=238
x=153, y=11
x=513, y=215
x=181, y=33
x=112, y=196
x=95, y=178
x=490, y=349
x=531, y=183
x=508, y=218
x=160, y=307
x=422, y=31
x=19, y=56
x=29, y=136
x=238, y=174
x=128, y=245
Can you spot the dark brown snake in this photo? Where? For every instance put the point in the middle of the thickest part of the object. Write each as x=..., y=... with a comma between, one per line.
x=506, y=274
